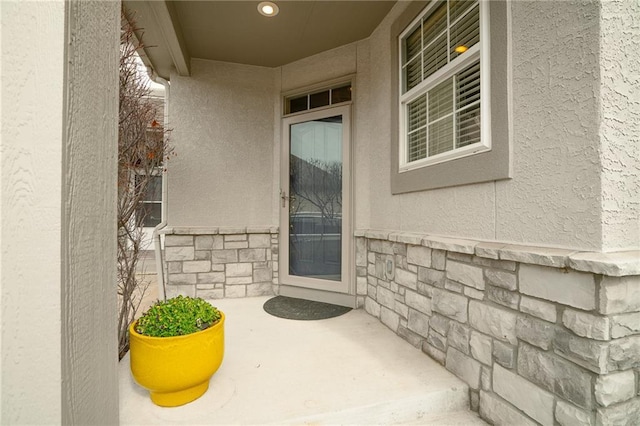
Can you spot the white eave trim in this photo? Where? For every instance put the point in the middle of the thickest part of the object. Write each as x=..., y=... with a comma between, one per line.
x=171, y=35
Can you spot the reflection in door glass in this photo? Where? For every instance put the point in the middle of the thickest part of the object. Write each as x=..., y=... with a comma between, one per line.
x=315, y=205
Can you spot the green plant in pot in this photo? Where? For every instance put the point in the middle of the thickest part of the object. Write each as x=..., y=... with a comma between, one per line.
x=176, y=346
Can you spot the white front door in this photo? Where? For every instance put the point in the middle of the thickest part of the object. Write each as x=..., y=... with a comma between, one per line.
x=315, y=214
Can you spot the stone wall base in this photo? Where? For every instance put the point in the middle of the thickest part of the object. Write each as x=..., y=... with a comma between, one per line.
x=540, y=335
x=216, y=263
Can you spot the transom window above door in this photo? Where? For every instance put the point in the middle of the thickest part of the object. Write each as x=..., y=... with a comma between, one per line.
x=334, y=95
x=444, y=84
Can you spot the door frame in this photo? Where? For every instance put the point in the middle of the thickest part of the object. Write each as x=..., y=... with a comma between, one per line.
x=313, y=288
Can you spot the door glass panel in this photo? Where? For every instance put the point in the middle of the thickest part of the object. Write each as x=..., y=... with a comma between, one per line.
x=315, y=199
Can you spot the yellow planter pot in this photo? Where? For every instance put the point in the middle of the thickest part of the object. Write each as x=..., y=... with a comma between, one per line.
x=176, y=370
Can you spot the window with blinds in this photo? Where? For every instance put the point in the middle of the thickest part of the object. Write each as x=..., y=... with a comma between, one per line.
x=441, y=85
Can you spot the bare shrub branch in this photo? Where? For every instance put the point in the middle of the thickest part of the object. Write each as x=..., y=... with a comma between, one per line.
x=143, y=150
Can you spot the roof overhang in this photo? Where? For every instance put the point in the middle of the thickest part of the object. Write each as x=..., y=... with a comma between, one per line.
x=158, y=29
x=173, y=32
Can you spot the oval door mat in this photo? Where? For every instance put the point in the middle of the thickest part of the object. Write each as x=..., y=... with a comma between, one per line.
x=301, y=309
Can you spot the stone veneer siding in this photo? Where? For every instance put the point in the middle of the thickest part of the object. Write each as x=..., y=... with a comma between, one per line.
x=540, y=335
x=214, y=263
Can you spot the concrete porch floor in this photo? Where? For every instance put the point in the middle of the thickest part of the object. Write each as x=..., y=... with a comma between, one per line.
x=345, y=370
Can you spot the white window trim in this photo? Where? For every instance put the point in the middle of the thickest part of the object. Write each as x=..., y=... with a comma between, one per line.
x=156, y=172
x=315, y=88
x=480, y=50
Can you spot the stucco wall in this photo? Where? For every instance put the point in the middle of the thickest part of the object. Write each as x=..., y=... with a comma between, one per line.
x=222, y=118
x=574, y=160
x=553, y=198
x=620, y=125
x=324, y=66
x=575, y=144
x=57, y=233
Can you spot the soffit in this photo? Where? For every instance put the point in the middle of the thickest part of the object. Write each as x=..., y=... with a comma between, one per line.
x=234, y=31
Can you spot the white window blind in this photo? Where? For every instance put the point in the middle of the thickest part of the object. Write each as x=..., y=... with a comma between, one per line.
x=468, y=104
x=441, y=81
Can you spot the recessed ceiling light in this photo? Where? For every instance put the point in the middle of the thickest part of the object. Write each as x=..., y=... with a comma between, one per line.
x=268, y=8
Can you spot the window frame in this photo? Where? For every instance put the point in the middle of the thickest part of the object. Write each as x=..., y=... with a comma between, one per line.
x=476, y=167
x=307, y=91
x=478, y=52
x=156, y=173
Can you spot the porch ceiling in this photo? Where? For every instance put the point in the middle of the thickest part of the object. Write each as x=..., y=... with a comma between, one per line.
x=234, y=31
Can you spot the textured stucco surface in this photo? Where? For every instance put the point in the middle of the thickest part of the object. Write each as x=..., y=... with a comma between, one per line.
x=554, y=196
x=361, y=132
x=59, y=141
x=324, y=66
x=223, y=129
x=442, y=211
x=620, y=123
x=574, y=135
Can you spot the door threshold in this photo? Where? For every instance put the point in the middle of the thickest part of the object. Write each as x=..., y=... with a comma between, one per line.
x=341, y=299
